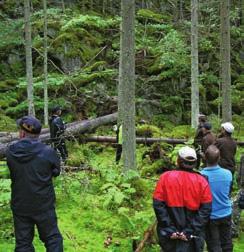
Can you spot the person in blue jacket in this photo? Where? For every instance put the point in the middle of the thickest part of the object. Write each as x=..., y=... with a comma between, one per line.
x=218, y=230
x=32, y=166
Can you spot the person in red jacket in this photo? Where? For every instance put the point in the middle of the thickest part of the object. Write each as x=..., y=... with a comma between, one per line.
x=182, y=203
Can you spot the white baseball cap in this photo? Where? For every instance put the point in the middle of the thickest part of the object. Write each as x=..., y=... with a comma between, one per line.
x=187, y=153
x=228, y=127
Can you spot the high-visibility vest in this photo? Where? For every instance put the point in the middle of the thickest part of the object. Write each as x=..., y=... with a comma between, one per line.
x=4, y=171
x=120, y=138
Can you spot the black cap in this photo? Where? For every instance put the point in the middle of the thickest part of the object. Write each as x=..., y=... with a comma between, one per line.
x=207, y=126
x=56, y=109
x=30, y=124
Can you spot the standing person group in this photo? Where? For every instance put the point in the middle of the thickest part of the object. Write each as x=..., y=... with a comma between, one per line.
x=57, y=129
x=190, y=206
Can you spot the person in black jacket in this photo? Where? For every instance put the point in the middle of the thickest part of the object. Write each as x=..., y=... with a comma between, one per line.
x=32, y=166
x=182, y=204
x=202, y=119
x=57, y=129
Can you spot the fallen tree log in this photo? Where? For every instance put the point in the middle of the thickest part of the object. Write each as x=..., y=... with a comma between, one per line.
x=141, y=140
x=72, y=130
x=80, y=127
x=67, y=168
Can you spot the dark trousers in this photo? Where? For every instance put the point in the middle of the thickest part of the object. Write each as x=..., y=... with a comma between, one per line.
x=218, y=235
x=194, y=245
x=59, y=145
x=118, y=153
x=47, y=228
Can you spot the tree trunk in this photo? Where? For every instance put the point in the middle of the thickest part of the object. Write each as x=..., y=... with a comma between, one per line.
x=63, y=6
x=104, y=6
x=45, y=84
x=91, y=4
x=194, y=64
x=181, y=10
x=175, y=10
x=28, y=57
x=225, y=72
x=126, y=92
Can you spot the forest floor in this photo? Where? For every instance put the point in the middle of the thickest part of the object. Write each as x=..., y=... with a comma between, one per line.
x=93, y=206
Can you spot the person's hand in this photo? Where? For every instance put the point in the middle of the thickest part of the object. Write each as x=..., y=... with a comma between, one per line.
x=182, y=236
x=174, y=236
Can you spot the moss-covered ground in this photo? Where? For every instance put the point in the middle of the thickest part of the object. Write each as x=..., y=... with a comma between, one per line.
x=95, y=205
x=99, y=202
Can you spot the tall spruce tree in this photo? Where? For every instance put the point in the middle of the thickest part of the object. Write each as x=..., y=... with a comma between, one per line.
x=28, y=57
x=225, y=69
x=194, y=64
x=45, y=83
x=126, y=90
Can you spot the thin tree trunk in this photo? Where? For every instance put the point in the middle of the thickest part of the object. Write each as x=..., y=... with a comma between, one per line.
x=175, y=10
x=91, y=4
x=225, y=72
x=45, y=84
x=126, y=99
x=63, y=6
x=83, y=5
x=104, y=6
x=28, y=53
x=194, y=64
x=181, y=10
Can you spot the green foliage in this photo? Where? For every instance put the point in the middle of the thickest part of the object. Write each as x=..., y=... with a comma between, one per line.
x=91, y=22
x=11, y=33
x=80, y=155
x=8, y=99
x=182, y=131
x=4, y=171
x=146, y=14
x=54, y=81
x=8, y=84
x=147, y=130
x=7, y=123
x=5, y=192
x=171, y=52
x=82, y=78
x=117, y=190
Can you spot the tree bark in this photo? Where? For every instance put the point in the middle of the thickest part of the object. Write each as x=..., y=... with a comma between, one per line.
x=45, y=83
x=126, y=93
x=28, y=57
x=194, y=64
x=225, y=70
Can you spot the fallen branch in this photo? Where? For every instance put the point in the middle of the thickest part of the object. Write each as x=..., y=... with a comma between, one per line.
x=147, y=235
x=67, y=168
